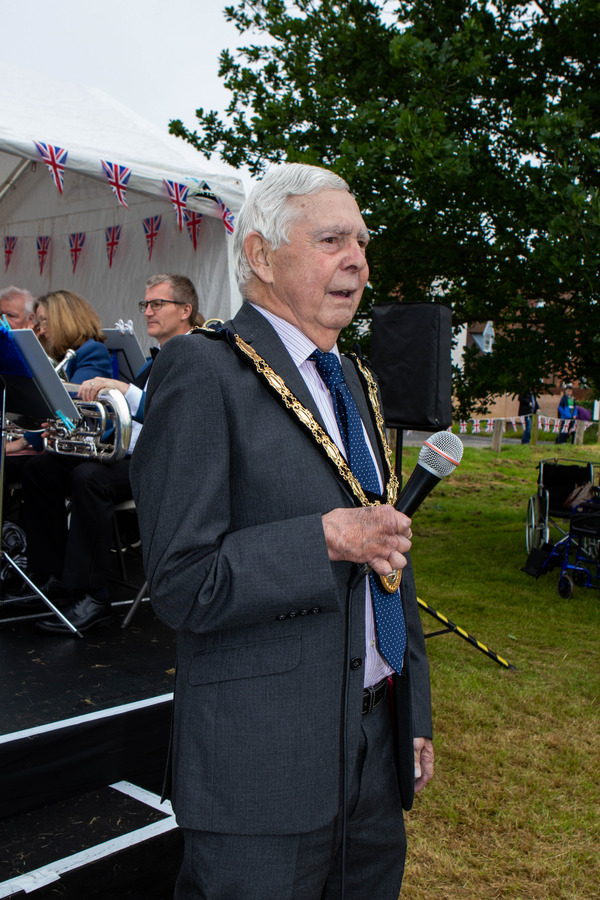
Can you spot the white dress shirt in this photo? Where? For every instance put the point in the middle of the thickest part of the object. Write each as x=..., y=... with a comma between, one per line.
x=300, y=348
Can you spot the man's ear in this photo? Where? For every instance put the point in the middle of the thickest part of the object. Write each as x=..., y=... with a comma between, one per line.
x=257, y=252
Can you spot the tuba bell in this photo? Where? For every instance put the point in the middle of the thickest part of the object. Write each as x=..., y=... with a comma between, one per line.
x=102, y=433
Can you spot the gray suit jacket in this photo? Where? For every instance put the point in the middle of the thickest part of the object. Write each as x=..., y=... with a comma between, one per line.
x=230, y=492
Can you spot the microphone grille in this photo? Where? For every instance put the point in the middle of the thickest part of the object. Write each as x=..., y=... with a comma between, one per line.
x=441, y=453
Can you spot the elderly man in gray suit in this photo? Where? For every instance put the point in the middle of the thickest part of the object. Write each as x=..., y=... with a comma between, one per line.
x=302, y=722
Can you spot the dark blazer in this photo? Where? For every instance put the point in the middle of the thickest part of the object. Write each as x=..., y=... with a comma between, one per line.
x=230, y=492
x=140, y=381
x=91, y=360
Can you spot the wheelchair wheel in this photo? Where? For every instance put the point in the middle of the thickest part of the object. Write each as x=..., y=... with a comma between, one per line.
x=565, y=587
x=580, y=577
x=536, y=529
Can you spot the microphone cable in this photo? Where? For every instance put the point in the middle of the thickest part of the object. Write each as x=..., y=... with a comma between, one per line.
x=356, y=576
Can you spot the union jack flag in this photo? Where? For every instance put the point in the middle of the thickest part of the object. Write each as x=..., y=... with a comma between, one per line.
x=463, y=427
x=557, y=426
x=43, y=248
x=113, y=236
x=192, y=223
x=547, y=424
x=151, y=229
x=178, y=194
x=476, y=426
x=490, y=425
x=10, y=242
x=56, y=160
x=76, y=242
x=226, y=215
x=118, y=176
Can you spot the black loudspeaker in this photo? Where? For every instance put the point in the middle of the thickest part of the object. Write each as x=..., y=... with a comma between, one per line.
x=411, y=354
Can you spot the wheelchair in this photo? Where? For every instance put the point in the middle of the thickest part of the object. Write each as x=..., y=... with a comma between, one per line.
x=557, y=479
x=577, y=553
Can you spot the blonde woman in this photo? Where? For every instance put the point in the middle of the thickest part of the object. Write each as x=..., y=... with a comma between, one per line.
x=65, y=321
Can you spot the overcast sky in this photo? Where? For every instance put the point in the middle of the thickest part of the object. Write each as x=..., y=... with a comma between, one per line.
x=159, y=57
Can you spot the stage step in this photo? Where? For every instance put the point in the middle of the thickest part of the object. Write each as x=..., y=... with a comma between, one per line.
x=48, y=763
x=119, y=841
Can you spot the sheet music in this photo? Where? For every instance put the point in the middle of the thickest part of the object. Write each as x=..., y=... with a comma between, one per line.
x=33, y=388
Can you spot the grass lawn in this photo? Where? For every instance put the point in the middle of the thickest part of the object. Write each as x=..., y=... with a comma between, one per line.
x=514, y=808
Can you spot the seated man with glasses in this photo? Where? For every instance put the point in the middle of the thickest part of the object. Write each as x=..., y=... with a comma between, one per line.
x=70, y=562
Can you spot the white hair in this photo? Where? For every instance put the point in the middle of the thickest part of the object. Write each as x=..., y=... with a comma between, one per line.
x=268, y=209
x=12, y=293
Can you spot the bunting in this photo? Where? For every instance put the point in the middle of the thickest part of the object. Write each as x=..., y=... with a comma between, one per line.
x=151, y=228
x=43, y=248
x=56, y=160
x=226, y=215
x=192, y=223
x=151, y=225
x=178, y=194
x=76, y=242
x=113, y=236
x=463, y=427
x=10, y=242
x=117, y=176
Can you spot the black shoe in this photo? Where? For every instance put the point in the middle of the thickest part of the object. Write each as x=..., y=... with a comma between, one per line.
x=83, y=614
x=24, y=597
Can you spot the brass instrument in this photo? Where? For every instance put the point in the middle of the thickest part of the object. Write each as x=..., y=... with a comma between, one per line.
x=103, y=430
x=102, y=433
x=60, y=366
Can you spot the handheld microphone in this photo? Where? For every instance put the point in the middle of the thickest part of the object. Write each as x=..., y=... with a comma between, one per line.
x=440, y=454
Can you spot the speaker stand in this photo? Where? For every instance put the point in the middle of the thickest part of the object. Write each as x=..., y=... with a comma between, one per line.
x=398, y=466
x=450, y=628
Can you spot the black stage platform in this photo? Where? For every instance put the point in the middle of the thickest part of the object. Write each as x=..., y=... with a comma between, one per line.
x=84, y=728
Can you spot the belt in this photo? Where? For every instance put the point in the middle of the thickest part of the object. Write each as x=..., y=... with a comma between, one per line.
x=372, y=696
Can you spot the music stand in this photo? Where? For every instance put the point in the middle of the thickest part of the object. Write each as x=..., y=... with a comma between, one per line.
x=31, y=388
x=125, y=345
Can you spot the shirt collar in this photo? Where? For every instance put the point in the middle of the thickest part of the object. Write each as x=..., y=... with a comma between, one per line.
x=297, y=344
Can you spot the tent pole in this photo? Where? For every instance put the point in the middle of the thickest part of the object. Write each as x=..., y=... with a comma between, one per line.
x=14, y=177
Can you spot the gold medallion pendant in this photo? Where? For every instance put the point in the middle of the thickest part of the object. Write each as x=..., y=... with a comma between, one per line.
x=391, y=582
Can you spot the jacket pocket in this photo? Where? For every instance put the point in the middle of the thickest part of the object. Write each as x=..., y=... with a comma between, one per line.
x=270, y=657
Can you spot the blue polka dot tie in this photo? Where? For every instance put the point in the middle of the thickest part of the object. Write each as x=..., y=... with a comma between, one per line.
x=389, y=618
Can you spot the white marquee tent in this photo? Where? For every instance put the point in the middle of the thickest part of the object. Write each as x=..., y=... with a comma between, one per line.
x=93, y=127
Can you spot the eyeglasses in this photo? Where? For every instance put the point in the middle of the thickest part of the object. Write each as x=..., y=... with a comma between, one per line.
x=155, y=304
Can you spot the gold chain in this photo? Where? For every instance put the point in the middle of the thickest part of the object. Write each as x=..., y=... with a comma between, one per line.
x=304, y=415
x=308, y=420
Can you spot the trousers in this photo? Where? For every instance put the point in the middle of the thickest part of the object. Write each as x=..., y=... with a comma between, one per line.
x=307, y=866
x=72, y=543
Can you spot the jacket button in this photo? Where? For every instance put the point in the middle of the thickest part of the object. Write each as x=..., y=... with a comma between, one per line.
x=356, y=662
x=281, y=617
x=293, y=615
x=315, y=611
